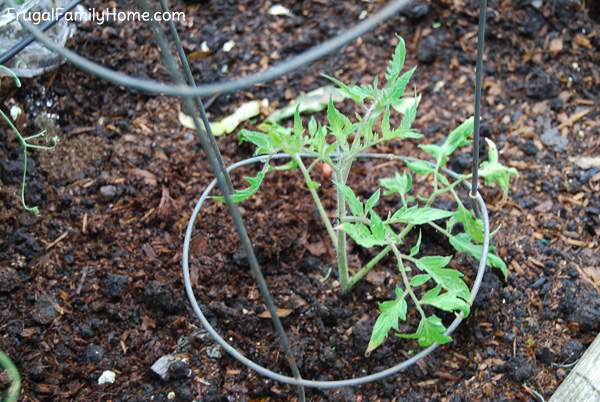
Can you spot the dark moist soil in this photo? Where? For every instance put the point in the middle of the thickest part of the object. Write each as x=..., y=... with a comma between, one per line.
x=95, y=283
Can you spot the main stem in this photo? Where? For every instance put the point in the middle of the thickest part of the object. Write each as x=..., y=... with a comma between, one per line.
x=342, y=253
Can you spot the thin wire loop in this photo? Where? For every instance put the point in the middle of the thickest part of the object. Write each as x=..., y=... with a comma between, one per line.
x=482, y=210
x=182, y=90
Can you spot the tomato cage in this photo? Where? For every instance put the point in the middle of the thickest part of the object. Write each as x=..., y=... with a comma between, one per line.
x=185, y=88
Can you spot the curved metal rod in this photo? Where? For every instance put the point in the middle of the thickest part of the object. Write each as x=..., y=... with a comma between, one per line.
x=182, y=90
x=482, y=210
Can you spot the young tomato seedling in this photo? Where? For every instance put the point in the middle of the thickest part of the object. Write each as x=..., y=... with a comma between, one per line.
x=427, y=281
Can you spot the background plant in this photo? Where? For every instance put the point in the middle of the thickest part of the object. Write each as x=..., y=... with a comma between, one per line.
x=426, y=280
x=49, y=143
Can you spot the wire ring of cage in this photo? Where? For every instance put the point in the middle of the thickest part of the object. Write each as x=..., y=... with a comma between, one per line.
x=285, y=67
x=480, y=210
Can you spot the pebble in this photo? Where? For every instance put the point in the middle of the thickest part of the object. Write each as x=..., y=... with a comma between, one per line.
x=572, y=351
x=530, y=148
x=115, y=285
x=427, y=50
x=107, y=377
x=545, y=355
x=161, y=298
x=93, y=353
x=520, y=370
x=214, y=352
x=542, y=86
x=179, y=369
x=9, y=279
x=107, y=193
x=43, y=311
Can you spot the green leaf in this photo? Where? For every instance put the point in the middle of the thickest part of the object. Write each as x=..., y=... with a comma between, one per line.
x=415, y=249
x=243, y=195
x=397, y=87
x=410, y=115
x=390, y=312
x=494, y=172
x=462, y=244
x=434, y=150
x=312, y=126
x=432, y=261
x=419, y=279
x=372, y=201
x=397, y=62
x=451, y=280
x=472, y=225
x=377, y=228
x=337, y=121
x=399, y=184
x=264, y=144
x=354, y=92
x=418, y=216
x=449, y=301
x=361, y=235
x=298, y=128
x=431, y=330
x=356, y=206
x=420, y=167
x=459, y=137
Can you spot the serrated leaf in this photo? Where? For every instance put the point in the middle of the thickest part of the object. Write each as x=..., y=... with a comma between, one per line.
x=415, y=249
x=431, y=330
x=399, y=184
x=356, y=206
x=472, y=225
x=433, y=150
x=419, y=279
x=397, y=87
x=451, y=280
x=377, y=228
x=449, y=301
x=420, y=167
x=361, y=235
x=494, y=172
x=418, y=216
x=264, y=144
x=410, y=115
x=312, y=126
x=462, y=244
x=372, y=201
x=351, y=91
x=432, y=261
x=243, y=195
x=397, y=63
x=390, y=312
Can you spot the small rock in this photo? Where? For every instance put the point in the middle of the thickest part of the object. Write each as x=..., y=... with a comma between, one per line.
x=115, y=285
x=427, y=50
x=530, y=148
x=542, y=85
x=9, y=279
x=552, y=138
x=179, y=370
x=520, y=370
x=214, y=352
x=572, y=351
x=171, y=396
x=93, y=353
x=545, y=355
x=538, y=283
x=159, y=297
x=107, y=377
x=416, y=10
x=107, y=193
x=557, y=104
x=43, y=311
x=161, y=367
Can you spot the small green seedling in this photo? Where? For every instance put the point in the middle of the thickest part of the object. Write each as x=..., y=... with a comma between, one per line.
x=49, y=144
x=426, y=280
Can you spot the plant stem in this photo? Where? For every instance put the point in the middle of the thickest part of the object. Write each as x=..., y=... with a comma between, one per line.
x=316, y=199
x=342, y=257
x=407, y=285
x=440, y=229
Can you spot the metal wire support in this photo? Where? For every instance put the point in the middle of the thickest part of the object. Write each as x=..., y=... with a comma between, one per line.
x=194, y=107
x=182, y=90
x=478, y=83
x=480, y=210
x=23, y=43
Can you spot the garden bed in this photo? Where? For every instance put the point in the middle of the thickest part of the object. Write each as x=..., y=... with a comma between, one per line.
x=117, y=193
